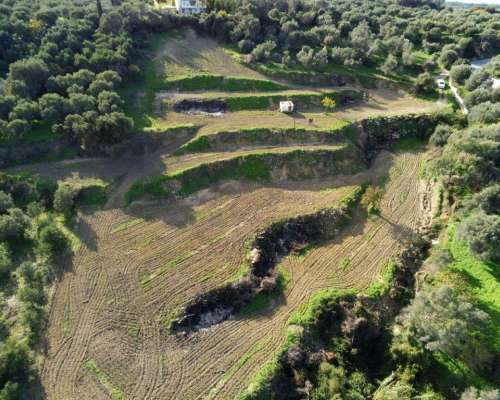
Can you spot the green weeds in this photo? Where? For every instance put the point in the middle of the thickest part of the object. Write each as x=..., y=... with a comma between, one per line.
x=115, y=392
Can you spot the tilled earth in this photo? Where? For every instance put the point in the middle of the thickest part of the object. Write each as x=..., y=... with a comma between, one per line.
x=138, y=266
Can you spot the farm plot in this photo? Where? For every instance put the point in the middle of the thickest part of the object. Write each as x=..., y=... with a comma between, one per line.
x=107, y=336
x=187, y=53
x=381, y=102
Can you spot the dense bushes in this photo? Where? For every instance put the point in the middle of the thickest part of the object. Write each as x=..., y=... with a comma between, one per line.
x=440, y=135
x=390, y=37
x=32, y=241
x=63, y=63
x=482, y=233
x=470, y=159
x=440, y=320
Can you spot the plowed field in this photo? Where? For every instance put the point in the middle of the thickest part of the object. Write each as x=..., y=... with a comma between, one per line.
x=137, y=267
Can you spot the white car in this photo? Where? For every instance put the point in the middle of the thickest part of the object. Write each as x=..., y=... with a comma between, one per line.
x=441, y=84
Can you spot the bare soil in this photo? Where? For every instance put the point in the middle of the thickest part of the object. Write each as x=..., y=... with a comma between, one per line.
x=137, y=267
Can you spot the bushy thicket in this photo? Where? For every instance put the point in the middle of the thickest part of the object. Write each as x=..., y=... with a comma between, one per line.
x=63, y=63
x=32, y=242
x=357, y=33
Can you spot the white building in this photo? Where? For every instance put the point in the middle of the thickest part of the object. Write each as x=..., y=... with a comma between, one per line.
x=184, y=6
x=286, y=106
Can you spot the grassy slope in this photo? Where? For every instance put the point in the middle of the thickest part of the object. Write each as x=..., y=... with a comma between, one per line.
x=479, y=281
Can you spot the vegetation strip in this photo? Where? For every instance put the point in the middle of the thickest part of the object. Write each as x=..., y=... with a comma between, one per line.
x=199, y=82
x=276, y=241
x=253, y=167
x=115, y=392
x=265, y=101
x=225, y=140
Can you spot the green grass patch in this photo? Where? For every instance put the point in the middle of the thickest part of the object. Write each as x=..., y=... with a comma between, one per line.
x=127, y=224
x=479, y=281
x=115, y=392
x=484, y=282
x=409, y=143
x=239, y=273
x=345, y=263
x=159, y=127
x=263, y=301
x=94, y=195
x=253, y=167
x=133, y=331
x=198, y=82
x=382, y=286
x=265, y=136
x=145, y=281
x=197, y=145
x=166, y=319
x=264, y=102
x=249, y=167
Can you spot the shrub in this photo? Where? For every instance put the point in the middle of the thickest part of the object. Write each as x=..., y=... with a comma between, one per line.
x=438, y=260
x=439, y=319
x=264, y=50
x=440, y=135
x=476, y=394
x=476, y=79
x=481, y=232
x=246, y=46
x=15, y=368
x=488, y=200
x=477, y=96
x=5, y=261
x=390, y=65
x=448, y=57
x=459, y=73
x=52, y=241
x=484, y=113
x=13, y=225
x=424, y=83
x=64, y=199
x=371, y=199
x=328, y=103
x=6, y=202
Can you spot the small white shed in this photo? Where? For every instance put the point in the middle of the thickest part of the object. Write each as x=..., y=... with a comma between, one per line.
x=286, y=106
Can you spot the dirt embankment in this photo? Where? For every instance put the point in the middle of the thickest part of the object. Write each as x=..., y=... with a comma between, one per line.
x=261, y=137
x=371, y=135
x=269, y=246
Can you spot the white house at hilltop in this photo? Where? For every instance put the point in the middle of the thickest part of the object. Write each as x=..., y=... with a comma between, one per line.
x=184, y=6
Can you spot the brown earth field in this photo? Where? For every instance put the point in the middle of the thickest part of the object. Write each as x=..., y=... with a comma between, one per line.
x=138, y=266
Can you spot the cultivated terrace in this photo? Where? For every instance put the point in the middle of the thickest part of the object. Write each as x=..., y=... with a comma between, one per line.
x=249, y=199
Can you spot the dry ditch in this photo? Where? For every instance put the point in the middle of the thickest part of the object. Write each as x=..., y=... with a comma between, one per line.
x=269, y=246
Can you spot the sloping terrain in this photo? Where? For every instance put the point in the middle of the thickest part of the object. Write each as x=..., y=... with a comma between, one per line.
x=138, y=266
x=136, y=269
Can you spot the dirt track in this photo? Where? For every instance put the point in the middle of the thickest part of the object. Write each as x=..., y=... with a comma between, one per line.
x=137, y=267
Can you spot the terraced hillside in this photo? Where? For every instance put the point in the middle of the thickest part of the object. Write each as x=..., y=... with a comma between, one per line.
x=137, y=267
x=179, y=220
